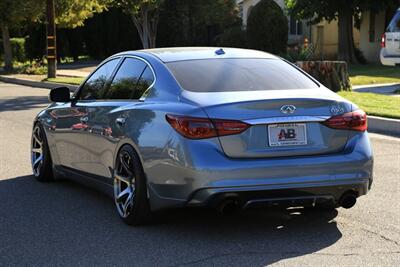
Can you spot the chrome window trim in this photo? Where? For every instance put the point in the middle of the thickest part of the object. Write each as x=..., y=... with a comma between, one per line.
x=289, y=119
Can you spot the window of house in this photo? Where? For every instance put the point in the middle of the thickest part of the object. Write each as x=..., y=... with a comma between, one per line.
x=295, y=26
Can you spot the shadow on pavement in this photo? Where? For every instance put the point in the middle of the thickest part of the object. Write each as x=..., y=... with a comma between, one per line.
x=23, y=103
x=62, y=223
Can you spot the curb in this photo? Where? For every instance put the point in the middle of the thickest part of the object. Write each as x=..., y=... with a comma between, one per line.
x=384, y=126
x=377, y=88
x=46, y=85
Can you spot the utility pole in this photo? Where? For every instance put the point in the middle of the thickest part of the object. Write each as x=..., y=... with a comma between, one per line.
x=51, y=40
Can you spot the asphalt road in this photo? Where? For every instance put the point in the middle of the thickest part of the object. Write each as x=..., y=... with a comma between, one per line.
x=62, y=223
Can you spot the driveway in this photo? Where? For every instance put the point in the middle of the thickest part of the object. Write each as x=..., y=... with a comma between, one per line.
x=62, y=223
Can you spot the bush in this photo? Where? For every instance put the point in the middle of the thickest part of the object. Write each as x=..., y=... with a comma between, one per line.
x=299, y=53
x=17, y=47
x=232, y=37
x=34, y=67
x=267, y=28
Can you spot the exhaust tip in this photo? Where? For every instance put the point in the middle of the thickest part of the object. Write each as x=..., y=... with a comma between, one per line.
x=229, y=206
x=348, y=200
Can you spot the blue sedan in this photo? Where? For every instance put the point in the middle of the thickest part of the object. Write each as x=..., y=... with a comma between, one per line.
x=227, y=128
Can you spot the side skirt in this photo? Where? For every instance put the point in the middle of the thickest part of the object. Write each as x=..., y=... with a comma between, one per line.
x=96, y=182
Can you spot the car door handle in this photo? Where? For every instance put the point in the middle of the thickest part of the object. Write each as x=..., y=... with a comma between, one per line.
x=84, y=119
x=120, y=121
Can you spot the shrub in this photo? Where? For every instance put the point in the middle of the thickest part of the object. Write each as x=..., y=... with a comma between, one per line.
x=267, y=28
x=34, y=67
x=17, y=47
x=299, y=53
x=232, y=37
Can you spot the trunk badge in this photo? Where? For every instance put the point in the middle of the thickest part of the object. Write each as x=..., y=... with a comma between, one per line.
x=288, y=109
x=336, y=109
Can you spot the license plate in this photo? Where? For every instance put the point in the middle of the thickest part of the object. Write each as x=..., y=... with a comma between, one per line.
x=289, y=134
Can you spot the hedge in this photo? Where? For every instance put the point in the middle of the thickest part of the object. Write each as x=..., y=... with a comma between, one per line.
x=18, y=49
x=267, y=28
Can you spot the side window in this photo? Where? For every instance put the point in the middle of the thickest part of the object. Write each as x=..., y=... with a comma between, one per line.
x=394, y=25
x=126, y=79
x=94, y=86
x=144, y=83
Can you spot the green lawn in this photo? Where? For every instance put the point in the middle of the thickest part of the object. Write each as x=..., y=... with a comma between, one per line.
x=373, y=74
x=66, y=80
x=375, y=104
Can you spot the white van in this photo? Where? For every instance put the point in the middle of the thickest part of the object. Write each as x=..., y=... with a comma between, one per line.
x=390, y=52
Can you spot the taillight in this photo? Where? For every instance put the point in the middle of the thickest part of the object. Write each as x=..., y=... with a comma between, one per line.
x=383, y=41
x=356, y=120
x=200, y=128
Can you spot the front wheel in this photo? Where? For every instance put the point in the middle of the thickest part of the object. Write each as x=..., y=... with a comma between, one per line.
x=130, y=188
x=40, y=155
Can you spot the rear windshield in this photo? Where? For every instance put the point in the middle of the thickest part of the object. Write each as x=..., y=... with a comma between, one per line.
x=394, y=25
x=239, y=74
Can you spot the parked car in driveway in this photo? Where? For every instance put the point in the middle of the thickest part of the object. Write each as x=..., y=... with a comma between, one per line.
x=390, y=51
x=228, y=128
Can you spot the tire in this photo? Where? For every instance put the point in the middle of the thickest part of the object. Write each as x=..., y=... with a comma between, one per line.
x=41, y=162
x=130, y=188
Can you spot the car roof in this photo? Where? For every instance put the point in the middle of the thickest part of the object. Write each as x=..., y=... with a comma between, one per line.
x=192, y=53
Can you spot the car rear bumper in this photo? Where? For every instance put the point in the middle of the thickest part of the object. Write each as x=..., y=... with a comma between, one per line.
x=262, y=180
x=290, y=195
x=389, y=60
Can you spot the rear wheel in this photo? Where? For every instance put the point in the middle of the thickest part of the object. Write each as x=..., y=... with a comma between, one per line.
x=40, y=155
x=130, y=189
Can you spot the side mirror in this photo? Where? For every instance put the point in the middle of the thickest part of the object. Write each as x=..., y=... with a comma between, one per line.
x=60, y=94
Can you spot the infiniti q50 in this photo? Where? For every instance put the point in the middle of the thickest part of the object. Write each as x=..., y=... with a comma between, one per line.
x=227, y=128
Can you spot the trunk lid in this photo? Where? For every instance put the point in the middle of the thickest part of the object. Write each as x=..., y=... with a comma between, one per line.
x=274, y=133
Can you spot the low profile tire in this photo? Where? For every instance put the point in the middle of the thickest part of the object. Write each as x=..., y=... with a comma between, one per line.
x=42, y=165
x=130, y=188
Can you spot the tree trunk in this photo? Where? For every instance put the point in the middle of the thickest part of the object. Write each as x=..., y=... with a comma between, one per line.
x=346, y=41
x=146, y=23
x=8, y=65
x=333, y=74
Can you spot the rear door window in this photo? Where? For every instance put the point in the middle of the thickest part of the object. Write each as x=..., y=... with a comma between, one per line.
x=394, y=25
x=238, y=74
x=126, y=79
x=145, y=81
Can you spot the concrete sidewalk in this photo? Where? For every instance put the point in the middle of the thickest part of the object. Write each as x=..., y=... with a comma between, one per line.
x=72, y=73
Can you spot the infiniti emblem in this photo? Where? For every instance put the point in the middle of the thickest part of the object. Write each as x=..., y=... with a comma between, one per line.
x=288, y=109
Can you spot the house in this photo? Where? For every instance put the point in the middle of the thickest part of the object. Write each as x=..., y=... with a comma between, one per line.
x=324, y=36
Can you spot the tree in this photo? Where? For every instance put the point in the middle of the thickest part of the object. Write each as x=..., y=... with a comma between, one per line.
x=195, y=22
x=267, y=27
x=344, y=11
x=69, y=13
x=145, y=15
x=12, y=14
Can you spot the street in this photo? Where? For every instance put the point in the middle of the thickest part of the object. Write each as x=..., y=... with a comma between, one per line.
x=63, y=223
